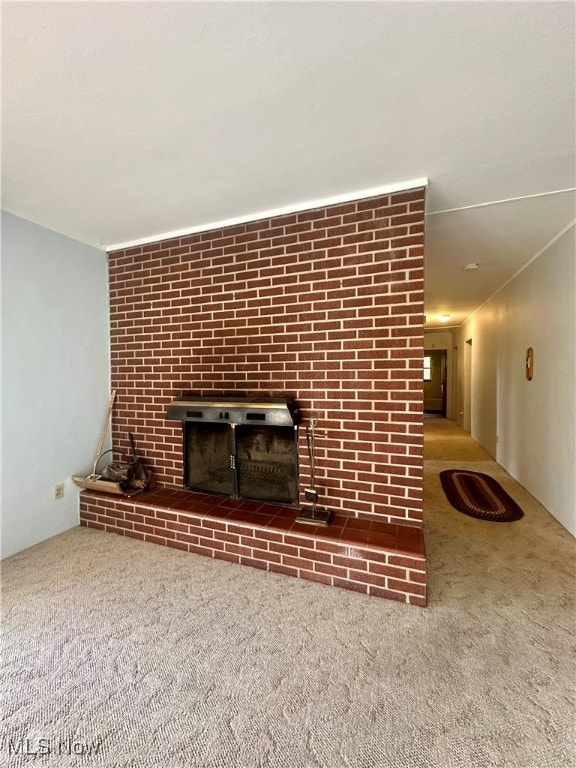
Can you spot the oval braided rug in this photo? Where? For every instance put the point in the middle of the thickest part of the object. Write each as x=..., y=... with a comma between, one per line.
x=479, y=495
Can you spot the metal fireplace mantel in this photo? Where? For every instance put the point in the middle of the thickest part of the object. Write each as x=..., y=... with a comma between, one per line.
x=235, y=410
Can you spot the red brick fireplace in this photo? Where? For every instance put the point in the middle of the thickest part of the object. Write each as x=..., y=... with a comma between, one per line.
x=324, y=306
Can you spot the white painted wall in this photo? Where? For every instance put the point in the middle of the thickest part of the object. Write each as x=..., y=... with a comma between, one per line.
x=530, y=426
x=55, y=376
x=479, y=384
x=444, y=340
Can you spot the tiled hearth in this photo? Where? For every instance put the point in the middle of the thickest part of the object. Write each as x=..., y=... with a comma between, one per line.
x=376, y=558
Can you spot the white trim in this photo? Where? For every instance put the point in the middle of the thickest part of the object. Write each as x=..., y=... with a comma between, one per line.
x=500, y=202
x=346, y=197
x=519, y=271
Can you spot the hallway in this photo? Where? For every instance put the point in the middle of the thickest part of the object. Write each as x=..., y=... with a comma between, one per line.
x=529, y=559
x=510, y=588
x=445, y=440
x=526, y=564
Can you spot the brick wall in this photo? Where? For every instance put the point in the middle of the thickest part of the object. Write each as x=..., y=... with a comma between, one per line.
x=325, y=306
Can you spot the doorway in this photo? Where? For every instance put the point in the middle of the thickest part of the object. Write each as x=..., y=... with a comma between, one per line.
x=435, y=381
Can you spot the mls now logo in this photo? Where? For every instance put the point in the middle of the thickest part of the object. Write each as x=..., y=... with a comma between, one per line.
x=29, y=747
x=41, y=747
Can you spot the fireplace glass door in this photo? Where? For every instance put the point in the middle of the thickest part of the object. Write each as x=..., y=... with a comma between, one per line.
x=207, y=451
x=244, y=461
x=267, y=463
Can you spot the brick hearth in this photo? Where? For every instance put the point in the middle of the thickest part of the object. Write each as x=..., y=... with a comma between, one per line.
x=376, y=558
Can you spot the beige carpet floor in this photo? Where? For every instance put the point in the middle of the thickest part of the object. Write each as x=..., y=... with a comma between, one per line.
x=128, y=654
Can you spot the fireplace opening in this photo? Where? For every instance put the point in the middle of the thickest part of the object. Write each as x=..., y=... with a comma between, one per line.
x=238, y=447
x=242, y=461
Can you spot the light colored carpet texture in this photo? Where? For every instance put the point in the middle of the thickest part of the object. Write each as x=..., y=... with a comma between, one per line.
x=125, y=654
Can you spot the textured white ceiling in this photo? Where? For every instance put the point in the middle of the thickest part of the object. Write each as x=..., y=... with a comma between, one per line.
x=127, y=120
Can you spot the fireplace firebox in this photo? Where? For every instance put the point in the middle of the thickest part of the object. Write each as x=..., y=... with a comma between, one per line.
x=240, y=447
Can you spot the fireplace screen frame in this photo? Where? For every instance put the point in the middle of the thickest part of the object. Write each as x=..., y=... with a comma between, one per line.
x=245, y=448
x=252, y=462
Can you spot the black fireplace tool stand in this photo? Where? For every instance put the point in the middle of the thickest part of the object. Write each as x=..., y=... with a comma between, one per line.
x=314, y=515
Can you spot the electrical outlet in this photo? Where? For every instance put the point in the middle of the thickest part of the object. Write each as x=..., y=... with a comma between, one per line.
x=59, y=491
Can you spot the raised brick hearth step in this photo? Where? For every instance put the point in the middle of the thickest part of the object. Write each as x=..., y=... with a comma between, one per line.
x=377, y=558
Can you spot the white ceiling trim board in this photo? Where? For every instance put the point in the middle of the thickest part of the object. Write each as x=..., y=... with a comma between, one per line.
x=346, y=197
x=522, y=268
x=500, y=202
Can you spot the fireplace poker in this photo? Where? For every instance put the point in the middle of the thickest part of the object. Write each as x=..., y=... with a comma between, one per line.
x=311, y=494
x=314, y=514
